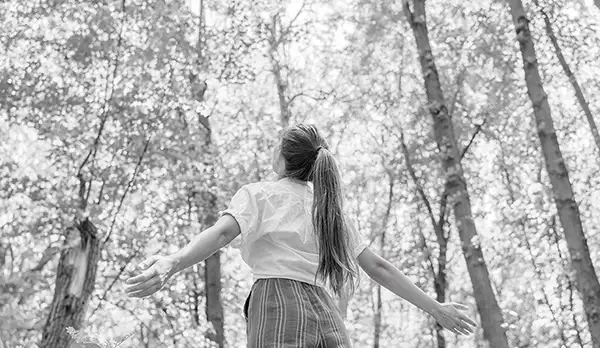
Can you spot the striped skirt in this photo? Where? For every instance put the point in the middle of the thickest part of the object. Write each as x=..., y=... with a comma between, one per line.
x=285, y=313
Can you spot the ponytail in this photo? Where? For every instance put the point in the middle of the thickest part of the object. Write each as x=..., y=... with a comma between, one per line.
x=336, y=262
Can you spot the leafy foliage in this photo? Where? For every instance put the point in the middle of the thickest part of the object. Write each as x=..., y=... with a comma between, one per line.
x=100, y=105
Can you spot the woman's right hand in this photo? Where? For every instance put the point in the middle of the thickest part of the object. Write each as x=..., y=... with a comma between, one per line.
x=156, y=272
x=451, y=317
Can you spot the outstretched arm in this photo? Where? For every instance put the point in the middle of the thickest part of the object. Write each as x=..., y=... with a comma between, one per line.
x=156, y=270
x=207, y=243
x=390, y=277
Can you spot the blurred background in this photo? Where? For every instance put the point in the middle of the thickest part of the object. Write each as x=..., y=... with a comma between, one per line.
x=465, y=130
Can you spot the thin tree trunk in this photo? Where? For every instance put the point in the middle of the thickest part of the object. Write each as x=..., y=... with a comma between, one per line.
x=572, y=79
x=377, y=318
x=277, y=36
x=378, y=304
x=575, y=322
x=281, y=88
x=441, y=284
x=75, y=279
x=489, y=310
x=565, y=265
x=212, y=283
x=568, y=211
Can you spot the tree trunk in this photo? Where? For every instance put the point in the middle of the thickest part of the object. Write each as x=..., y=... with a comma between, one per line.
x=491, y=315
x=572, y=79
x=568, y=211
x=440, y=279
x=377, y=318
x=275, y=39
x=386, y=218
x=75, y=278
x=281, y=87
x=441, y=283
x=212, y=265
x=212, y=283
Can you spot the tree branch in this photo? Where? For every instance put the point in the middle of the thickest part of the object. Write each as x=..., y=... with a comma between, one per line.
x=459, y=81
x=103, y=118
x=413, y=175
x=477, y=130
x=103, y=297
x=129, y=185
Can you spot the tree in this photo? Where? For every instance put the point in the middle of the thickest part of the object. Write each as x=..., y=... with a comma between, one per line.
x=382, y=241
x=571, y=76
x=212, y=265
x=76, y=271
x=491, y=315
x=568, y=210
x=75, y=280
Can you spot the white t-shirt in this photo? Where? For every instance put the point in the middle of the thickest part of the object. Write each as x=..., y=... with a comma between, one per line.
x=277, y=237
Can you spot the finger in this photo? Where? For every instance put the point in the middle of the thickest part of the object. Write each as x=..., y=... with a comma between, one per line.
x=449, y=327
x=142, y=285
x=145, y=292
x=468, y=320
x=460, y=306
x=148, y=262
x=462, y=330
x=142, y=277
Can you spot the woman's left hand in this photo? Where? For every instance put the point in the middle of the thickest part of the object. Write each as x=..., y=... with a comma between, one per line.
x=156, y=272
x=452, y=317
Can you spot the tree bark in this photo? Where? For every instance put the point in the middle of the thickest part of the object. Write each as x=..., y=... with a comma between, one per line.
x=568, y=210
x=75, y=279
x=489, y=310
x=572, y=79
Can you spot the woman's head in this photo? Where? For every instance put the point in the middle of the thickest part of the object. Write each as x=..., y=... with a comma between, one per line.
x=297, y=152
x=303, y=154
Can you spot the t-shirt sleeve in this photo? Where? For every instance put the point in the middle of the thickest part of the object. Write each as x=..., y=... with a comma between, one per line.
x=244, y=209
x=357, y=241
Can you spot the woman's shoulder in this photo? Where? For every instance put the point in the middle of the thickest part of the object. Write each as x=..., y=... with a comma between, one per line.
x=269, y=188
x=260, y=188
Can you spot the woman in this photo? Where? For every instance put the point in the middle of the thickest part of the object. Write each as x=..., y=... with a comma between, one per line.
x=298, y=242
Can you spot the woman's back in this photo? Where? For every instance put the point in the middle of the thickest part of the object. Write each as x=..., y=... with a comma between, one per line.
x=277, y=235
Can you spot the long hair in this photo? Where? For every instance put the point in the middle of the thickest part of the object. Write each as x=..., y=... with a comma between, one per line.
x=308, y=158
